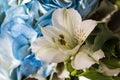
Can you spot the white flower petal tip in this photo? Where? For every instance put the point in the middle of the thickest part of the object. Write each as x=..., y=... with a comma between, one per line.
x=66, y=17
x=83, y=78
x=64, y=74
x=98, y=55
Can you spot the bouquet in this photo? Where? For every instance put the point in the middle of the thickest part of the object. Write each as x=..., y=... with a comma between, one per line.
x=59, y=40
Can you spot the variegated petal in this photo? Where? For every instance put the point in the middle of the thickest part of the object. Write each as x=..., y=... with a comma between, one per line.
x=83, y=30
x=67, y=19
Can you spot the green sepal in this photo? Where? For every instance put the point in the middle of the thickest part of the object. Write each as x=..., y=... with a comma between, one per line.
x=68, y=66
x=104, y=35
x=94, y=75
x=76, y=72
x=112, y=62
x=109, y=47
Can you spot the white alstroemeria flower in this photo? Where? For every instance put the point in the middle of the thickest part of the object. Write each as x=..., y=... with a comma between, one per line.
x=64, y=38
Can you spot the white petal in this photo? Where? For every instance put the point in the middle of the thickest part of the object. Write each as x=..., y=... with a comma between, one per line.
x=98, y=55
x=38, y=43
x=64, y=74
x=52, y=34
x=66, y=18
x=72, y=51
x=82, y=61
x=49, y=54
x=49, y=33
x=83, y=78
x=83, y=30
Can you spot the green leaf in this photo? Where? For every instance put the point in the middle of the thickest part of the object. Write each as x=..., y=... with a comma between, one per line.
x=116, y=78
x=112, y=62
x=109, y=47
x=114, y=24
x=76, y=72
x=68, y=66
x=102, y=37
x=72, y=78
x=105, y=8
x=118, y=3
x=90, y=39
x=94, y=75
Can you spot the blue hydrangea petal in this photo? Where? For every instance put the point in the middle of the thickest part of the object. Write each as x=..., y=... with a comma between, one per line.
x=46, y=69
x=15, y=74
x=13, y=3
x=18, y=11
x=29, y=65
x=86, y=6
x=65, y=3
x=3, y=5
x=6, y=56
x=20, y=47
x=16, y=26
x=34, y=9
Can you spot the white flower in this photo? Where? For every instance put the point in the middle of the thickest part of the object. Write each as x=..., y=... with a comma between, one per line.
x=64, y=38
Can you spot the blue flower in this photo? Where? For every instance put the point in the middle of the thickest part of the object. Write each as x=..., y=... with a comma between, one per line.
x=3, y=5
x=46, y=69
x=7, y=60
x=29, y=65
x=20, y=47
x=21, y=34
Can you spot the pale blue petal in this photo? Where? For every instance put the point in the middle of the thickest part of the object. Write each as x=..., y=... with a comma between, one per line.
x=86, y=6
x=46, y=69
x=16, y=26
x=29, y=65
x=34, y=9
x=6, y=57
x=20, y=47
x=18, y=11
x=3, y=5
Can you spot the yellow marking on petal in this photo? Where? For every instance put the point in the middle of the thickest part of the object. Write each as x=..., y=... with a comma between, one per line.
x=53, y=39
x=79, y=35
